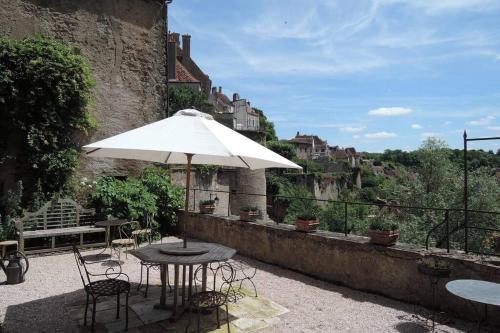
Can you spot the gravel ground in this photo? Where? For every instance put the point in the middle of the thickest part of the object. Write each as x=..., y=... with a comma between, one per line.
x=315, y=306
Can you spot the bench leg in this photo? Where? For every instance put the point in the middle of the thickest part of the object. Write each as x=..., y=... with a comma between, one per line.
x=53, y=242
x=81, y=239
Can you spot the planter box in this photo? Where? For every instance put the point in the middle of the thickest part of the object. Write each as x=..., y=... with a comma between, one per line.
x=249, y=216
x=386, y=238
x=306, y=225
x=207, y=209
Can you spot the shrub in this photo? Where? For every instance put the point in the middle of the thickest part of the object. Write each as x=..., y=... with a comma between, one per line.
x=307, y=215
x=45, y=87
x=383, y=224
x=249, y=209
x=127, y=199
x=207, y=202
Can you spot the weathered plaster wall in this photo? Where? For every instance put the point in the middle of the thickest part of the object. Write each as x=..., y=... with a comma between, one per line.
x=123, y=41
x=350, y=261
x=220, y=183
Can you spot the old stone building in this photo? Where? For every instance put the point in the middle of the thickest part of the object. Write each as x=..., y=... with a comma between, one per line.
x=182, y=69
x=309, y=146
x=124, y=43
x=236, y=113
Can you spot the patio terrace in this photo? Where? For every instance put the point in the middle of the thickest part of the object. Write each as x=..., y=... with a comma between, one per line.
x=52, y=300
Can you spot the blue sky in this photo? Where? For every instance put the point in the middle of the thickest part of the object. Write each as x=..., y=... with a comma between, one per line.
x=379, y=74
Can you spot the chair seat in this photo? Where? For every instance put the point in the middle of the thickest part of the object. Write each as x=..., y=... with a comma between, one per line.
x=208, y=299
x=141, y=232
x=107, y=287
x=123, y=241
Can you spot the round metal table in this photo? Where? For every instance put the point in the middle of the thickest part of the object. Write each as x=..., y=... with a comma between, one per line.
x=484, y=292
x=153, y=254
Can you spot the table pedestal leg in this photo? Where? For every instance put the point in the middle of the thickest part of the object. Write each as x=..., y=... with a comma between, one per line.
x=204, y=277
x=183, y=285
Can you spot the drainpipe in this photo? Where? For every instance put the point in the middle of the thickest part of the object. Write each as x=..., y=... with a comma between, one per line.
x=167, y=2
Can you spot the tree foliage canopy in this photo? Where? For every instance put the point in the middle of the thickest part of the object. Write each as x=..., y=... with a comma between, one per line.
x=45, y=88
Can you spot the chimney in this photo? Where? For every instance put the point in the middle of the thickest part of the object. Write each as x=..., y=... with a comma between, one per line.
x=172, y=55
x=220, y=90
x=186, y=47
x=236, y=97
x=214, y=90
x=174, y=37
x=298, y=134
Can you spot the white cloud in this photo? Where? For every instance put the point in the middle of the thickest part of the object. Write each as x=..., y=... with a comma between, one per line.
x=349, y=129
x=389, y=111
x=380, y=135
x=356, y=136
x=482, y=121
x=416, y=126
x=497, y=57
x=447, y=123
x=493, y=128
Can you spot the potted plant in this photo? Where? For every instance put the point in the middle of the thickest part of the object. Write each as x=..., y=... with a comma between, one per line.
x=383, y=231
x=306, y=222
x=433, y=267
x=249, y=213
x=207, y=206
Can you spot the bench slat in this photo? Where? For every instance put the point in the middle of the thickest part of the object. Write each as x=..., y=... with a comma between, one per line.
x=61, y=232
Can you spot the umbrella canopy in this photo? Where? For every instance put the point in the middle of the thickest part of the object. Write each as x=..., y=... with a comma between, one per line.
x=189, y=132
x=189, y=137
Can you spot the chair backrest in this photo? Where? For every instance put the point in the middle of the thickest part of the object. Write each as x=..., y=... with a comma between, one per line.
x=82, y=268
x=125, y=230
x=223, y=277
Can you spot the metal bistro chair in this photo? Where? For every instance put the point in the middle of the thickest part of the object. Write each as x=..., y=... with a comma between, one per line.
x=126, y=239
x=109, y=286
x=215, y=298
x=243, y=272
x=147, y=232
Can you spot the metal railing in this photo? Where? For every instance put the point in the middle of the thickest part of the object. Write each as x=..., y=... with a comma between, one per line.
x=449, y=231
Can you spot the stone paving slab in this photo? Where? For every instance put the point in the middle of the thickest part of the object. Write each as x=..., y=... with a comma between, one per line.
x=248, y=314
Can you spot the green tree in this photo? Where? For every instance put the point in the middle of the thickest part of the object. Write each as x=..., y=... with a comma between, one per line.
x=266, y=126
x=282, y=148
x=185, y=97
x=45, y=89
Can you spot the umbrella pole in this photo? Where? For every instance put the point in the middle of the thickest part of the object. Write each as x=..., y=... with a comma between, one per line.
x=186, y=201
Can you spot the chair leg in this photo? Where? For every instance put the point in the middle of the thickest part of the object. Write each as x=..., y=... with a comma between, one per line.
x=140, y=281
x=118, y=306
x=189, y=321
x=218, y=321
x=126, y=311
x=94, y=302
x=198, y=315
x=227, y=319
x=86, y=309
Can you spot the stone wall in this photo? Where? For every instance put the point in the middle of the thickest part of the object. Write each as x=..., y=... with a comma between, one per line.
x=350, y=261
x=221, y=183
x=123, y=40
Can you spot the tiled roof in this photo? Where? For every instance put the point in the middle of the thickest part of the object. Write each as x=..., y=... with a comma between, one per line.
x=182, y=74
x=222, y=98
x=309, y=139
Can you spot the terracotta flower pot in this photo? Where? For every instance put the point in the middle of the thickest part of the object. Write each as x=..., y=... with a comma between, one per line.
x=248, y=216
x=306, y=225
x=207, y=209
x=383, y=237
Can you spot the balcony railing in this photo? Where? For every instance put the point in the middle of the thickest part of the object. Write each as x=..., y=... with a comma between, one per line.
x=423, y=226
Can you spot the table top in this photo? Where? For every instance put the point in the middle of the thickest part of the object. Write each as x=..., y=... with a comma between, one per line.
x=475, y=290
x=152, y=254
x=110, y=223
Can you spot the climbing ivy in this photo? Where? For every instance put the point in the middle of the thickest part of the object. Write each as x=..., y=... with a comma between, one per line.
x=45, y=89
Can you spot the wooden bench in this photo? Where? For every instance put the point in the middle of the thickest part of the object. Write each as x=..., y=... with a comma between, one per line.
x=60, y=217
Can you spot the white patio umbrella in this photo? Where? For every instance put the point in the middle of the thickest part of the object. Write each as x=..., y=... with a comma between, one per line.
x=189, y=137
